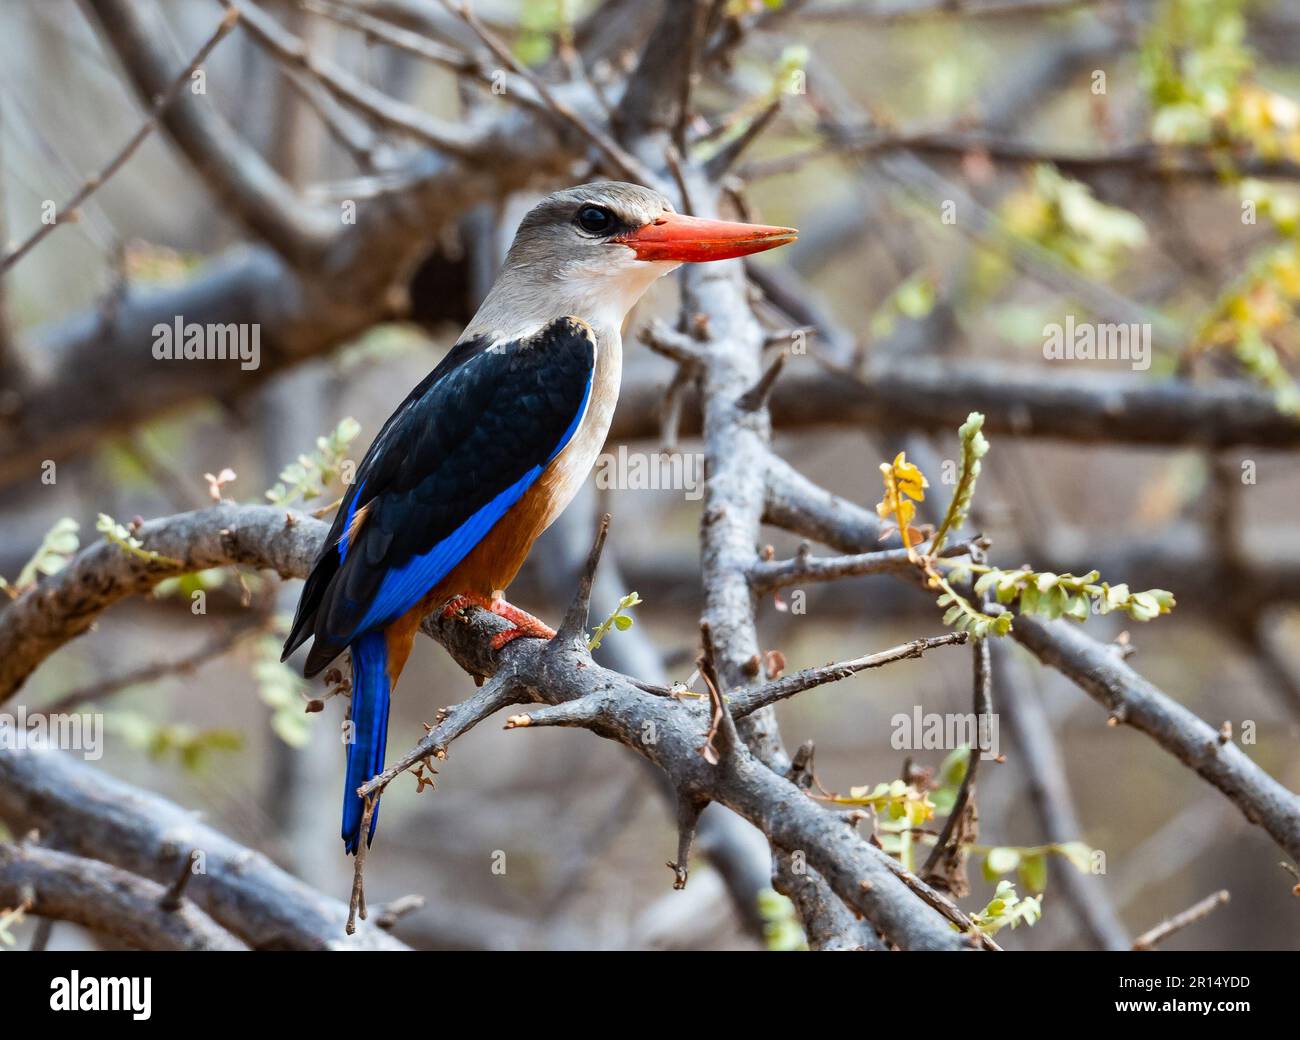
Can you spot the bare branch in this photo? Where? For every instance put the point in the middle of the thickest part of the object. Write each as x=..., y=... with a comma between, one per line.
x=90, y=813
x=443, y=135
x=621, y=161
x=1132, y=700
x=936, y=395
x=754, y=697
x=945, y=866
x=770, y=575
x=574, y=625
x=665, y=340
x=105, y=899
x=1152, y=938
x=233, y=171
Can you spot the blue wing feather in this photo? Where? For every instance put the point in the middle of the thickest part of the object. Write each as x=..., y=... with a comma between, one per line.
x=403, y=587
x=460, y=451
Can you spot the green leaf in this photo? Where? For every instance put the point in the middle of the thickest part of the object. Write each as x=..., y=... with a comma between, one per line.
x=57, y=547
x=1033, y=873
x=617, y=620
x=1000, y=860
x=1079, y=854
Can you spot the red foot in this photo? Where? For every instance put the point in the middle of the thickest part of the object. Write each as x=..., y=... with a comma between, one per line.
x=524, y=623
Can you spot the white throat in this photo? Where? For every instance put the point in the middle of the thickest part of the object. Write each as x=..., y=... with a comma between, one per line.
x=526, y=298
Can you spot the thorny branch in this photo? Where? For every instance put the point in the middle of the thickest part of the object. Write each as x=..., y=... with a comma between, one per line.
x=316, y=287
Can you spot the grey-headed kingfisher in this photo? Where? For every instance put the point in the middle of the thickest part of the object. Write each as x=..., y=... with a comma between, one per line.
x=491, y=446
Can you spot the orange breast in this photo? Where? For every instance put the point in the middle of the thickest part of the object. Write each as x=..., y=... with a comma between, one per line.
x=493, y=563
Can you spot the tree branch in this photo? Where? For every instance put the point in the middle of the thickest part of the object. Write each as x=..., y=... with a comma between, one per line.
x=108, y=901
x=752, y=698
x=240, y=179
x=1132, y=700
x=97, y=181
x=90, y=813
x=555, y=673
x=934, y=395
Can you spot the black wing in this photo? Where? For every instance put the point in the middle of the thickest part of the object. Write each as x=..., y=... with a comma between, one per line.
x=456, y=454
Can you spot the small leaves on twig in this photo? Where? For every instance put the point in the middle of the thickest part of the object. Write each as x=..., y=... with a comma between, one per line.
x=617, y=620
x=1031, y=592
x=893, y=799
x=974, y=446
x=124, y=538
x=905, y=485
x=1006, y=908
x=1030, y=862
x=1065, y=595
x=309, y=476
x=57, y=547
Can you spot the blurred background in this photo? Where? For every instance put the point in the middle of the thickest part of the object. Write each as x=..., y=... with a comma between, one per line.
x=1044, y=121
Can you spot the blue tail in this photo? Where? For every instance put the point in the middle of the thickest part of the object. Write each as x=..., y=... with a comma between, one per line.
x=370, y=690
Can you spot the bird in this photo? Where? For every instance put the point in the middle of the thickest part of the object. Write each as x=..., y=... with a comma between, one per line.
x=488, y=449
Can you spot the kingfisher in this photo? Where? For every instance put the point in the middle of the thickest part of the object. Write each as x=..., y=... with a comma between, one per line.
x=491, y=446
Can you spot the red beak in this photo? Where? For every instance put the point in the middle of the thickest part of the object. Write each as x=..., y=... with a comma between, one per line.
x=692, y=240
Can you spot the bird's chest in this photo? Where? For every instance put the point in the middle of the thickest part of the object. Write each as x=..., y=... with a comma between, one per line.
x=561, y=480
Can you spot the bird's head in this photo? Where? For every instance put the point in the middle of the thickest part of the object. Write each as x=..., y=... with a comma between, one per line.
x=591, y=251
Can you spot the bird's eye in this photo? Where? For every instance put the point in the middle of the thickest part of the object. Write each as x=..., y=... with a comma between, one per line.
x=595, y=220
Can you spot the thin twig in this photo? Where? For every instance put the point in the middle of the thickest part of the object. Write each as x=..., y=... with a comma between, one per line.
x=419, y=46
x=97, y=181
x=771, y=575
x=390, y=913
x=743, y=702
x=440, y=134
x=174, y=896
x=217, y=646
x=729, y=154
x=1148, y=940
x=624, y=163
x=959, y=826
x=574, y=624
x=721, y=738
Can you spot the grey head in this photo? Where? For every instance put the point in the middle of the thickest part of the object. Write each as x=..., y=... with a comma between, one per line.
x=564, y=261
x=590, y=252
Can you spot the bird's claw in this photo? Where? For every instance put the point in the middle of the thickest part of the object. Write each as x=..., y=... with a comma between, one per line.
x=523, y=624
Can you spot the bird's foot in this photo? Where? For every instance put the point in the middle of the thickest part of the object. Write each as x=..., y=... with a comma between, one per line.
x=524, y=624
